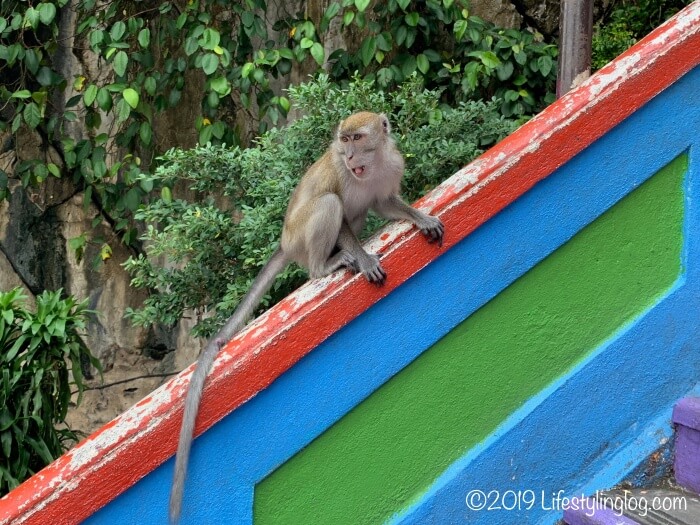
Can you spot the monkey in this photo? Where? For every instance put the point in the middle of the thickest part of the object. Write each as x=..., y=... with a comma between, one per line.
x=361, y=170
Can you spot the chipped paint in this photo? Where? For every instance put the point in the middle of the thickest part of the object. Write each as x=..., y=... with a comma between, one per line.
x=114, y=457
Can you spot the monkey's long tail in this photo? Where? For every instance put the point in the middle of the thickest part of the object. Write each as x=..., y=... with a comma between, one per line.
x=258, y=289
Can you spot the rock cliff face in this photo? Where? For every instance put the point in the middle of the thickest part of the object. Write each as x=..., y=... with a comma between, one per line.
x=36, y=226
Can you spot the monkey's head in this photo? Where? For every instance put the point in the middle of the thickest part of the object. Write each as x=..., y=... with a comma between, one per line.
x=360, y=141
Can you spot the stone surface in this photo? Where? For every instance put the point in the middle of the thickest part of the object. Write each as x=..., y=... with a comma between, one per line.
x=542, y=15
x=500, y=12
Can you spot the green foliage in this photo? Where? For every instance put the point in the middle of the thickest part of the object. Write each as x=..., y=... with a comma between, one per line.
x=215, y=253
x=608, y=42
x=627, y=22
x=151, y=52
x=41, y=356
x=440, y=41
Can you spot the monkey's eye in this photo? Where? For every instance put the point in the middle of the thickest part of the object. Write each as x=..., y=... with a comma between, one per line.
x=344, y=139
x=356, y=136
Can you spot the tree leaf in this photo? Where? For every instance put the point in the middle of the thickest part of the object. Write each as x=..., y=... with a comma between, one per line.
x=150, y=85
x=144, y=37
x=41, y=449
x=368, y=49
x=209, y=63
x=90, y=95
x=488, y=58
x=32, y=115
x=412, y=19
x=545, y=65
x=361, y=5
x=121, y=60
x=123, y=110
x=16, y=123
x=105, y=253
x=15, y=348
x=31, y=18
x=504, y=71
x=131, y=97
x=47, y=12
x=210, y=38
x=132, y=200
x=117, y=31
x=247, y=69
x=54, y=170
x=46, y=77
x=284, y=104
x=220, y=85
x=146, y=183
x=31, y=59
x=318, y=53
x=104, y=99
x=460, y=28
x=166, y=194
x=191, y=45
x=423, y=63
x=332, y=10
x=96, y=38
x=181, y=20
x=6, y=439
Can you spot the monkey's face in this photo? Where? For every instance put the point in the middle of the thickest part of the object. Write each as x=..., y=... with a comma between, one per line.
x=355, y=155
x=360, y=138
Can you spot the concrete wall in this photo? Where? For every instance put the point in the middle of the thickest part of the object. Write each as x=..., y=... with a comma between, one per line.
x=538, y=352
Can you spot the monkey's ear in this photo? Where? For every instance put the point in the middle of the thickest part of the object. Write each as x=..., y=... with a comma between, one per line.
x=385, y=123
x=336, y=131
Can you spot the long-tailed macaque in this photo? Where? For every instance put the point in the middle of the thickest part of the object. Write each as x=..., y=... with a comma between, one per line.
x=362, y=169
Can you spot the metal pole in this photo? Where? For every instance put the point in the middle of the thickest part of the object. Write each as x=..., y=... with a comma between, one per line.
x=575, y=30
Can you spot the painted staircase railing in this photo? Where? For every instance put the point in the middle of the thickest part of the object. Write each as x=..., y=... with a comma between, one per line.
x=539, y=350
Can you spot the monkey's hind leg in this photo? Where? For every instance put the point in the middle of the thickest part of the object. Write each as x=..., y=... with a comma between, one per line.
x=321, y=237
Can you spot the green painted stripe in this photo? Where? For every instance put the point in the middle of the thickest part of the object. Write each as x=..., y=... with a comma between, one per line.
x=388, y=450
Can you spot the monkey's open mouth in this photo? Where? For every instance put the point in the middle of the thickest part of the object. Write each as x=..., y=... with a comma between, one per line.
x=358, y=171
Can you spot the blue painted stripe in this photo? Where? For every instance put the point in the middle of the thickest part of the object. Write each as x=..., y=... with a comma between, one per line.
x=229, y=459
x=581, y=431
x=611, y=411
x=529, y=408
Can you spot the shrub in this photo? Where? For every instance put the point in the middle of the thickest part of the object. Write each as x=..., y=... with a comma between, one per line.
x=41, y=358
x=627, y=22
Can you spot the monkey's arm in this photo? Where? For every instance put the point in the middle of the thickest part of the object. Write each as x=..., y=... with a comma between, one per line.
x=367, y=263
x=395, y=208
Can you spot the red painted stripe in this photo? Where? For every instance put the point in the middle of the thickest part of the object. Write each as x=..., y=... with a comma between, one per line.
x=123, y=451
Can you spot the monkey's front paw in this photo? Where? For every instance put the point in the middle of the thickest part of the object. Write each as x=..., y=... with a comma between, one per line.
x=372, y=270
x=432, y=228
x=347, y=259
